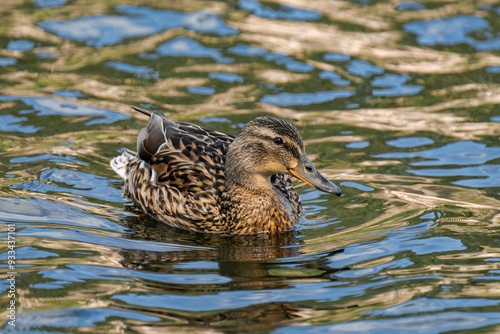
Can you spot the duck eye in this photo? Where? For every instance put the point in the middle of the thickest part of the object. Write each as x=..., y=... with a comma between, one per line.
x=278, y=140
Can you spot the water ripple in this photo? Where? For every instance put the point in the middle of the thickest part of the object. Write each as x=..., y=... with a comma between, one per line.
x=396, y=102
x=489, y=175
x=83, y=184
x=47, y=106
x=80, y=273
x=454, y=30
x=286, y=12
x=186, y=47
x=457, y=153
x=142, y=72
x=20, y=45
x=43, y=211
x=105, y=240
x=78, y=317
x=408, y=238
x=103, y=30
x=301, y=99
x=431, y=305
x=321, y=292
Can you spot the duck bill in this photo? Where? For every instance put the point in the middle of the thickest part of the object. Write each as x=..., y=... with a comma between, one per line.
x=306, y=172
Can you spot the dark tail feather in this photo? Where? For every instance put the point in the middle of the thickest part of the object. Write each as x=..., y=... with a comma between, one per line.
x=152, y=136
x=142, y=111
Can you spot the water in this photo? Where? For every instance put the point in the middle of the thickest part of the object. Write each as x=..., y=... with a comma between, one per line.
x=398, y=103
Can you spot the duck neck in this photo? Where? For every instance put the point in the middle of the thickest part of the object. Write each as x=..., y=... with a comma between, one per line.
x=241, y=174
x=250, y=203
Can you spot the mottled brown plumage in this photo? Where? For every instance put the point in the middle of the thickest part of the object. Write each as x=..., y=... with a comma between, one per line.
x=208, y=181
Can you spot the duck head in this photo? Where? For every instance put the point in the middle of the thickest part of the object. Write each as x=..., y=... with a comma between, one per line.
x=269, y=145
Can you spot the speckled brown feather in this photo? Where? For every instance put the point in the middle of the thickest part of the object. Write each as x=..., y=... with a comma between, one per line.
x=178, y=175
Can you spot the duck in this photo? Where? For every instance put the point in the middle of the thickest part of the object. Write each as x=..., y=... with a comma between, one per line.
x=208, y=181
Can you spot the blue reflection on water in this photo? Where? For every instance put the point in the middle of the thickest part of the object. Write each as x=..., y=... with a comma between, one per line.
x=28, y=252
x=70, y=94
x=490, y=45
x=278, y=58
x=431, y=305
x=47, y=106
x=493, y=69
x=102, y=30
x=334, y=78
x=84, y=184
x=410, y=5
x=227, y=299
x=356, y=185
x=430, y=215
x=336, y=57
x=454, y=30
x=395, y=84
x=186, y=47
x=410, y=142
x=362, y=272
x=80, y=273
x=290, y=63
x=202, y=90
x=214, y=120
x=7, y=61
x=43, y=211
x=11, y=123
x=423, y=324
x=42, y=54
x=490, y=175
x=201, y=21
x=49, y=3
x=301, y=99
x=358, y=144
x=20, y=45
x=363, y=68
x=404, y=90
x=77, y=317
x=286, y=12
x=62, y=181
x=50, y=157
x=324, y=291
x=105, y=240
x=398, y=240
x=485, y=7
x=142, y=72
x=457, y=153
x=247, y=50
x=197, y=265
x=227, y=77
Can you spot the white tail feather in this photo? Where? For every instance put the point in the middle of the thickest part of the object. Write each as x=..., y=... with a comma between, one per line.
x=120, y=163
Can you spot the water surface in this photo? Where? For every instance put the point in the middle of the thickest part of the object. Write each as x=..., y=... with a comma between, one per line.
x=398, y=103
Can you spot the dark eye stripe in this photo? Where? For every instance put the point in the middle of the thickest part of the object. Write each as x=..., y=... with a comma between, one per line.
x=292, y=149
x=286, y=145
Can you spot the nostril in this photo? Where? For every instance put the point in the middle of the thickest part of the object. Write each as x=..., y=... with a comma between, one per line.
x=309, y=169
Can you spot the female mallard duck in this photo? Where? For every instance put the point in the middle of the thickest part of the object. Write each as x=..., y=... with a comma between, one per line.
x=208, y=181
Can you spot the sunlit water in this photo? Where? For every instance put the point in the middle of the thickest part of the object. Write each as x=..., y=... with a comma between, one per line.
x=398, y=103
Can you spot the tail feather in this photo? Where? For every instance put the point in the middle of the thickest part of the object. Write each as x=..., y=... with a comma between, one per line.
x=119, y=163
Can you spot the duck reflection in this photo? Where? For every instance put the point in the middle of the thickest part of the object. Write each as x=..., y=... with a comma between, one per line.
x=261, y=262
x=237, y=256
